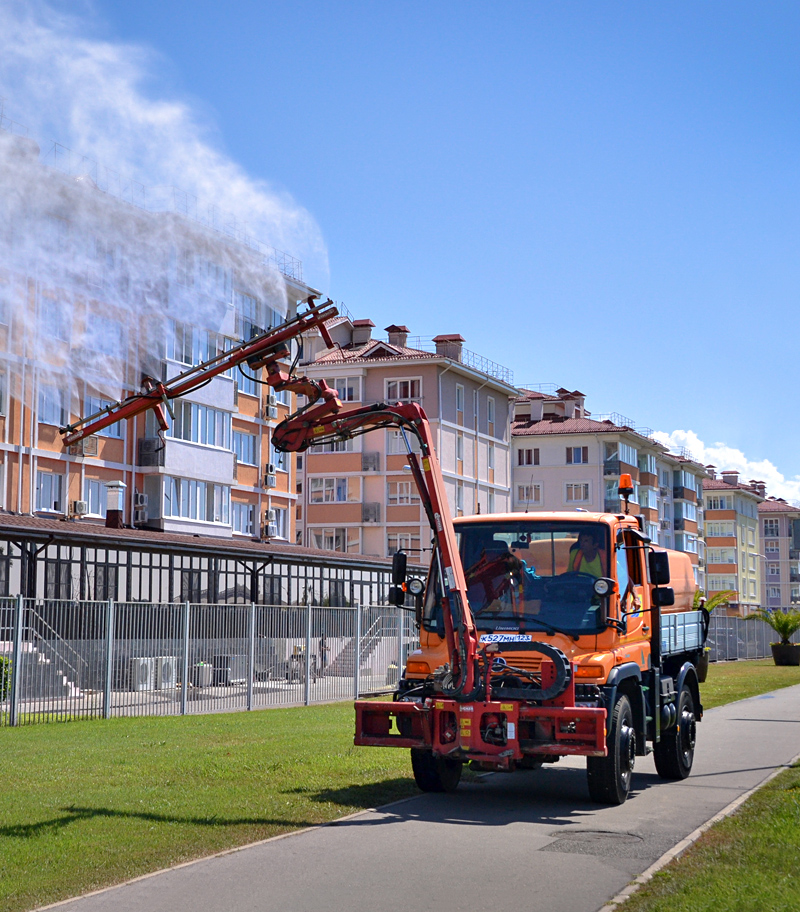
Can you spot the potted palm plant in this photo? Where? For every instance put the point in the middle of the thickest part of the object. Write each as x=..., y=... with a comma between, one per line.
x=784, y=623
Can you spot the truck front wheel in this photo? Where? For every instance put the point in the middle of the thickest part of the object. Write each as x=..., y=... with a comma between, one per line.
x=610, y=777
x=435, y=774
x=674, y=753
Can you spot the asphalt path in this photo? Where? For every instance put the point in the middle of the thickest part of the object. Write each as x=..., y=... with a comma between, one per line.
x=528, y=841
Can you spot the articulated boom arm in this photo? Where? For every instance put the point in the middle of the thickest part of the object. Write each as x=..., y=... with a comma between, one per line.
x=321, y=420
x=328, y=422
x=262, y=351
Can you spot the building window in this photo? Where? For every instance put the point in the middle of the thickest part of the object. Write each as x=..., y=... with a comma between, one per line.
x=577, y=493
x=459, y=498
x=772, y=547
x=248, y=316
x=402, y=493
x=647, y=463
x=577, y=455
x=773, y=569
x=771, y=528
x=403, y=390
x=528, y=457
x=490, y=416
x=200, y=424
x=396, y=443
x=490, y=456
x=49, y=490
x=719, y=583
x=402, y=541
x=94, y=493
x=242, y=515
x=281, y=522
x=186, y=498
x=346, y=541
x=720, y=530
x=245, y=447
x=347, y=388
x=54, y=322
x=52, y=406
x=459, y=404
x=335, y=490
x=491, y=501
x=774, y=592
x=531, y=493
x=721, y=555
x=93, y=405
x=719, y=502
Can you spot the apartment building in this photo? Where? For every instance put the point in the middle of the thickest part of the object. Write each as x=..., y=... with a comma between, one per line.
x=733, y=541
x=564, y=459
x=101, y=284
x=356, y=496
x=780, y=534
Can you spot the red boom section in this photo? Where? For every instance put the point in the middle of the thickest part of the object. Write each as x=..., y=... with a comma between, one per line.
x=262, y=351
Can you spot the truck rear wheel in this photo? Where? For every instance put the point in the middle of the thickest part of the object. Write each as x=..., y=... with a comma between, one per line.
x=435, y=774
x=674, y=753
x=610, y=777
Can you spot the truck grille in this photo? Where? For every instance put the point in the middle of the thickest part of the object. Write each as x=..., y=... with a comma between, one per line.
x=530, y=662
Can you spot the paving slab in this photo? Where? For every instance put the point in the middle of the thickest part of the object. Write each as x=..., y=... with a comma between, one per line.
x=528, y=841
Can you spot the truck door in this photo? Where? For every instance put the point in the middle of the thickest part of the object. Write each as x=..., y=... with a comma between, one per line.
x=631, y=579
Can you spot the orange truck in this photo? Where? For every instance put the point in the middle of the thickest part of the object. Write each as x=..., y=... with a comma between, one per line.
x=588, y=653
x=541, y=635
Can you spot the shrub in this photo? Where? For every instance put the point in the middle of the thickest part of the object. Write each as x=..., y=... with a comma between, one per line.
x=5, y=677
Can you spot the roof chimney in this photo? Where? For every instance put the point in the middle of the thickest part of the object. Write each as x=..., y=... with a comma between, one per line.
x=730, y=476
x=398, y=335
x=760, y=487
x=362, y=332
x=449, y=346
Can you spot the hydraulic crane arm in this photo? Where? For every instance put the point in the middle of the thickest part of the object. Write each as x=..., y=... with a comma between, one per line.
x=321, y=420
x=264, y=350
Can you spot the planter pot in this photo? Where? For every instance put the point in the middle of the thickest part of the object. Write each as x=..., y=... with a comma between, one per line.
x=786, y=653
x=702, y=666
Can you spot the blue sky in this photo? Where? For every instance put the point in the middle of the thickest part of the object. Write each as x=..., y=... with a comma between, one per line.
x=600, y=195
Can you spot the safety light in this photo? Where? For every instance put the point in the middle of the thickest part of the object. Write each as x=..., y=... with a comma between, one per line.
x=417, y=666
x=590, y=671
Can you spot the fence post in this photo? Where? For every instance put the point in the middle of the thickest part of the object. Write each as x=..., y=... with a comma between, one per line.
x=357, y=654
x=109, y=658
x=251, y=653
x=307, y=689
x=400, y=625
x=16, y=664
x=185, y=671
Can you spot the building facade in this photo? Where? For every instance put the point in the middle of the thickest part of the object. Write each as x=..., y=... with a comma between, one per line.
x=779, y=523
x=563, y=459
x=100, y=286
x=356, y=496
x=733, y=541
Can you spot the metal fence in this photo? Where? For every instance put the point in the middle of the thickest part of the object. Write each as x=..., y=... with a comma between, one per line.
x=732, y=638
x=64, y=659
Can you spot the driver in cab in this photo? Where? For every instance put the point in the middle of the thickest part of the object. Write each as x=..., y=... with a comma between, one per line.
x=586, y=556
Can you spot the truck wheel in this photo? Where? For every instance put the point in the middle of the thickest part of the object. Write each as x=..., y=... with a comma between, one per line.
x=435, y=774
x=609, y=777
x=674, y=753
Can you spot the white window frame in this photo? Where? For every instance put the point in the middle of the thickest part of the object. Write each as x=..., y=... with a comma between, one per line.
x=569, y=492
x=395, y=392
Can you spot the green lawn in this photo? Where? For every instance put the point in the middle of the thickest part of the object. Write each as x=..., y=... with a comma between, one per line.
x=91, y=803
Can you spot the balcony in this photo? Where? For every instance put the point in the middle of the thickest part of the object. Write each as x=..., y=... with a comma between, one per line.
x=663, y=491
x=370, y=462
x=610, y=467
x=665, y=524
x=680, y=524
x=612, y=506
x=794, y=554
x=371, y=512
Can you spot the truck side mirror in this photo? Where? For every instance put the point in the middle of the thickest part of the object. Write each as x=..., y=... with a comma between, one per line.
x=399, y=564
x=659, y=568
x=397, y=596
x=664, y=597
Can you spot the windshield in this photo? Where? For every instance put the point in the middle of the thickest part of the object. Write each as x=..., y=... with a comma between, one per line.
x=524, y=574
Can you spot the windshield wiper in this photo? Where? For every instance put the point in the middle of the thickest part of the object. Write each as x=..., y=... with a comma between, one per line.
x=551, y=628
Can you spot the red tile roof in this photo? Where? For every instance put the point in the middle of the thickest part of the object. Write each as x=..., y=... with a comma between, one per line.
x=777, y=506
x=717, y=484
x=557, y=425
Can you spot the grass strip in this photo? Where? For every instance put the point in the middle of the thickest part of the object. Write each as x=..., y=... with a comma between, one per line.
x=745, y=863
x=93, y=803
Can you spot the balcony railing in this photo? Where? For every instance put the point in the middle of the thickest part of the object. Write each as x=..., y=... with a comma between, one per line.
x=611, y=466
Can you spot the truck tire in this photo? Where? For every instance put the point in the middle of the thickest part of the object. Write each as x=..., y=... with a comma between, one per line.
x=435, y=774
x=674, y=753
x=610, y=777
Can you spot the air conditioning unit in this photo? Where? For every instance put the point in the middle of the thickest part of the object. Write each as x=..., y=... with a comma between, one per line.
x=271, y=468
x=166, y=672
x=149, y=444
x=85, y=447
x=143, y=673
x=270, y=411
x=140, y=500
x=79, y=508
x=270, y=481
x=665, y=524
x=271, y=530
x=270, y=515
x=140, y=516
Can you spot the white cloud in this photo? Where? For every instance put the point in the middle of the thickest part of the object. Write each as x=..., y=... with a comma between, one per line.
x=726, y=457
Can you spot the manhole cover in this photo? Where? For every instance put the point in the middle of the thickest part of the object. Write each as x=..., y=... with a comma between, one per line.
x=599, y=842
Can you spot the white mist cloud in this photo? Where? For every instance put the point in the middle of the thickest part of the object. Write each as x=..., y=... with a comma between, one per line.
x=92, y=95
x=726, y=457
